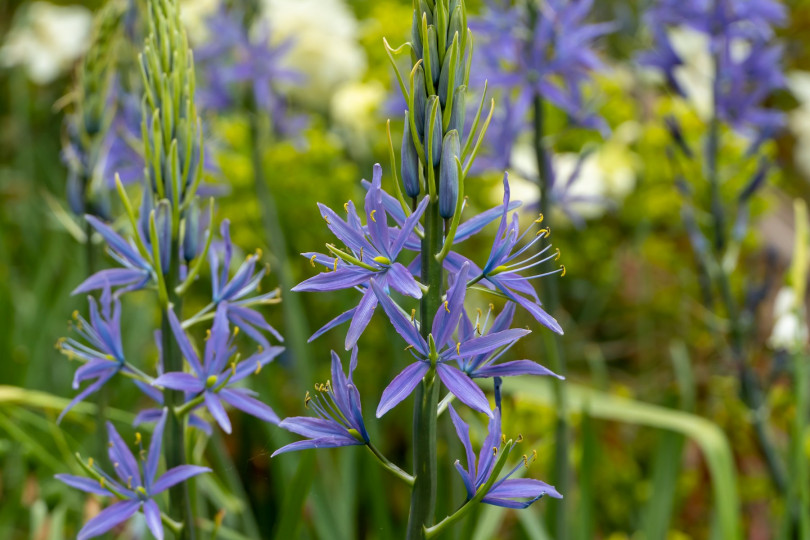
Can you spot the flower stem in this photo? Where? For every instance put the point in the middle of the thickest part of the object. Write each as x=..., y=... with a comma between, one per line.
x=385, y=462
x=552, y=341
x=426, y=398
x=174, y=446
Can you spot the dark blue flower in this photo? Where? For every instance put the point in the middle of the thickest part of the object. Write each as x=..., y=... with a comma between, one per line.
x=340, y=416
x=440, y=349
x=507, y=492
x=211, y=380
x=373, y=250
x=136, y=486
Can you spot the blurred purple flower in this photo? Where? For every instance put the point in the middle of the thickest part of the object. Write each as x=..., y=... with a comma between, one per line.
x=136, y=487
x=374, y=248
x=506, y=492
x=211, y=379
x=442, y=345
x=340, y=416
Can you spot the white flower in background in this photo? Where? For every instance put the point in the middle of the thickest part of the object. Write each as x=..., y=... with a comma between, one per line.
x=607, y=174
x=789, y=329
x=354, y=108
x=194, y=15
x=799, y=119
x=325, y=47
x=696, y=74
x=47, y=39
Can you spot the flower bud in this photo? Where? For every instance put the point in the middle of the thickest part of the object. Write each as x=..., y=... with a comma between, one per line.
x=419, y=101
x=416, y=36
x=444, y=77
x=433, y=44
x=75, y=192
x=456, y=26
x=423, y=8
x=410, y=162
x=448, y=175
x=436, y=152
x=163, y=227
x=459, y=110
x=191, y=235
x=147, y=205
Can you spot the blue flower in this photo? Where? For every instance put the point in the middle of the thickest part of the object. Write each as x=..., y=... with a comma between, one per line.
x=101, y=351
x=506, y=492
x=340, y=416
x=446, y=350
x=373, y=252
x=233, y=293
x=136, y=486
x=212, y=379
x=484, y=365
x=501, y=272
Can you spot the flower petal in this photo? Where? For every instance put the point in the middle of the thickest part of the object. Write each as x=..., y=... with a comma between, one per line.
x=404, y=326
x=176, y=475
x=401, y=280
x=126, y=467
x=85, y=484
x=490, y=342
x=461, y=386
x=340, y=319
x=362, y=316
x=463, y=432
x=449, y=313
x=515, y=367
x=108, y=518
x=323, y=442
x=153, y=457
x=408, y=227
x=217, y=411
x=152, y=514
x=177, y=380
x=345, y=277
x=182, y=341
x=247, y=404
x=402, y=386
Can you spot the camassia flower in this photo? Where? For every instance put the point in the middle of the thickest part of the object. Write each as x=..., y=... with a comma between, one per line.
x=101, y=352
x=373, y=250
x=440, y=349
x=136, y=272
x=503, y=273
x=340, y=416
x=136, y=486
x=211, y=381
x=233, y=293
x=507, y=492
x=484, y=365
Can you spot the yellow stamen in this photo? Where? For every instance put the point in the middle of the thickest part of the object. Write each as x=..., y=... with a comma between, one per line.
x=138, y=437
x=326, y=219
x=447, y=306
x=258, y=368
x=557, y=257
x=101, y=483
x=525, y=461
x=494, y=450
x=458, y=348
x=75, y=314
x=90, y=462
x=413, y=314
x=233, y=369
x=563, y=270
x=307, y=399
x=519, y=438
x=503, y=438
x=129, y=482
x=207, y=334
x=312, y=260
x=259, y=253
x=335, y=266
x=539, y=219
x=372, y=214
x=546, y=232
x=346, y=207
x=235, y=331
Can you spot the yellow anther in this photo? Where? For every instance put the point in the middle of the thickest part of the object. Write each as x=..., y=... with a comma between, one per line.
x=346, y=207
x=101, y=482
x=138, y=438
x=372, y=214
x=447, y=306
x=491, y=307
x=307, y=399
x=312, y=260
x=75, y=314
x=233, y=369
x=408, y=347
x=219, y=518
x=563, y=270
x=207, y=333
x=235, y=331
x=211, y=381
x=539, y=219
x=79, y=326
x=503, y=438
x=326, y=219
x=90, y=462
x=335, y=265
x=557, y=257
x=413, y=314
x=546, y=232
x=249, y=258
x=259, y=253
x=478, y=328
x=525, y=461
x=458, y=349
x=480, y=313
x=361, y=253
x=258, y=367
x=494, y=450
x=259, y=348
x=519, y=438
x=116, y=465
x=129, y=482
x=534, y=455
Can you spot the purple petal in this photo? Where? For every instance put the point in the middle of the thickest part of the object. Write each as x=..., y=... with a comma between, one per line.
x=537, y=312
x=120, y=455
x=353, y=238
x=324, y=442
x=183, y=342
x=255, y=362
x=175, y=476
x=490, y=342
x=111, y=277
x=153, y=457
x=404, y=326
x=245, y=403
x=152, y=514
x=463, y=432
x=461, y=386
x=523, y=488
x=448, y=314
x=313, y=428
x=217, y=411
x=401, y=280
x=84, y=484
x=108, y=518
x=177, y=380
x=515, y=367
x=362, y=316
x=402, y=386
x=216, y=347
x=340, y=319
x=474, y=225
x=345, y=277
x=340, y=383
x=408, y=227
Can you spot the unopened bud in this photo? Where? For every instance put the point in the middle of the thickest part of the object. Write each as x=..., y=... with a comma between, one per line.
x=419, y=100
x=410, y=162
x=75, y=192
x=416, y=35
x=191, y=235
x=147, y=205
x=163, y=226
x=433, y=44
x=456, y=26
x=457, y=113
x=448, y=175
x=444, y=77
x=436, y=150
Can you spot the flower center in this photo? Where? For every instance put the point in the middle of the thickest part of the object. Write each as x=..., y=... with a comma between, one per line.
x=381, y=259
x=210, y=381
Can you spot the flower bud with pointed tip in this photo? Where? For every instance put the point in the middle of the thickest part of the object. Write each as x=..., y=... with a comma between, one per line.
x=437, y=131
x=424, y=8
x=419, y=101
x=163, y=227
x=444, y=77
x=410, y=163
x=191, y=234
x=416, y=35
x=147, y=205
x=435, y=68
x=456, y=25
x=75, y=192
x=459, y=110
x=448, y=175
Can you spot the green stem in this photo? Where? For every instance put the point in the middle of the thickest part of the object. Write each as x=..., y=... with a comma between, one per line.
x=174, y=435
x=426, y=400
x=801, y=483
x=385, y=462
x=552, y=341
